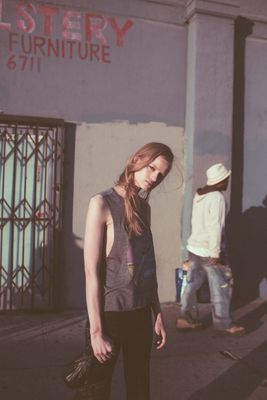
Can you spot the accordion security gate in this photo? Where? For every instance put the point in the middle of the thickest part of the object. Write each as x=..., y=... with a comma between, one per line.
x=31, y=172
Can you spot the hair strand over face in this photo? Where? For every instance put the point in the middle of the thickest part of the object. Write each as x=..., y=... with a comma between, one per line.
x=134, y=221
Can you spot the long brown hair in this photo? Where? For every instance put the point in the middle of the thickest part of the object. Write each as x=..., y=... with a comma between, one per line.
x=134, y=222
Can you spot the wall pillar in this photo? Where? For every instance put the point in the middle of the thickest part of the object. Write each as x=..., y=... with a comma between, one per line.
x=209, y=97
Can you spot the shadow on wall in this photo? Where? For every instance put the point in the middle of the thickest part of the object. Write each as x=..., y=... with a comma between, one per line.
x=234, y=223
x=250, y=256
x=71, y=284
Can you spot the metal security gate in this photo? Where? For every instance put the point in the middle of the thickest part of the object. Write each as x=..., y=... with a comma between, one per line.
x=31, y=167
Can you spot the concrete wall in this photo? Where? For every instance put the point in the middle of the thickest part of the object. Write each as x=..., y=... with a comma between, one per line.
x=248, y=217
x=188, y=73
x=122, y=77
x=209, y=97
x=116, y=73
x=255, y=121
x=101, y=151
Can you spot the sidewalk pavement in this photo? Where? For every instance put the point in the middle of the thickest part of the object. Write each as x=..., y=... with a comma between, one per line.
x=34, y=349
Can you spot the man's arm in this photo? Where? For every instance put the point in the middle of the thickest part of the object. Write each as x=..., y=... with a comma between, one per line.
x=215, y=224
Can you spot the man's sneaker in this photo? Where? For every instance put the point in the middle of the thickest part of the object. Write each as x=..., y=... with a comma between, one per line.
x=182, y=323
x=233, y=330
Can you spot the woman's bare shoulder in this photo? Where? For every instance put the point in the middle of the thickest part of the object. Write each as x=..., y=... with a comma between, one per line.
x=97, y=199
x=97, y=204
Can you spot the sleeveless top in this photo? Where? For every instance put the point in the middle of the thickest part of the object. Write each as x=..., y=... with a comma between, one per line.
x=128, y=273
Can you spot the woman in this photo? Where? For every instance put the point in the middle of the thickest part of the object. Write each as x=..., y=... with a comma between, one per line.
x=121, y=284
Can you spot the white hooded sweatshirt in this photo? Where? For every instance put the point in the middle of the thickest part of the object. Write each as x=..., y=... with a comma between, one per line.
x=208, y=219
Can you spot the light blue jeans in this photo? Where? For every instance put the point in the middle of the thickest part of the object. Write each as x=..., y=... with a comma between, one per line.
x=220, y=284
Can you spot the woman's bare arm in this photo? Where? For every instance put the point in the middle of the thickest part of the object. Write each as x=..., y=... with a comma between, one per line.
x=96, y=221
x=159, y=327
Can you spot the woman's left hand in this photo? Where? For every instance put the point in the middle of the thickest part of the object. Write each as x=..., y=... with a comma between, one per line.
x=160, y=332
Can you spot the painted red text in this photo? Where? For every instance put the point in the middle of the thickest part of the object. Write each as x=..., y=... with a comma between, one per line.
x=74, y=25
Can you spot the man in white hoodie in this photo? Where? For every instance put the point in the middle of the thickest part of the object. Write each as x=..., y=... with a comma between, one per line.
x=204, y=248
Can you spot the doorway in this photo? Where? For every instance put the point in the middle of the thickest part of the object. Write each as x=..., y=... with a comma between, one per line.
x=31, y=177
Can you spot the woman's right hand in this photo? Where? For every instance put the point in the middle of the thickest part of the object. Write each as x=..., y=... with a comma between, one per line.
x=102, y=347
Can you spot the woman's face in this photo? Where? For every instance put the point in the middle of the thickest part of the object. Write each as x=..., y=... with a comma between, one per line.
x=150, y=176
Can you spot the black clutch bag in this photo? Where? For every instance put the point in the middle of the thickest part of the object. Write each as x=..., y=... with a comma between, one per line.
x=77, y=372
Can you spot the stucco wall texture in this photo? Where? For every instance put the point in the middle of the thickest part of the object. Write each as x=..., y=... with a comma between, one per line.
x=98, y=165
x=122, y=73
x=118, y=75
x=69, y=61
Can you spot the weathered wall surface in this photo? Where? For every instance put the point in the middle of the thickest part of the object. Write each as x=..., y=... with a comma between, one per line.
x=72, y=61
x=117, y=71
x=98, y=165
x=249, y=201
x=255, y=132
x=122, y=73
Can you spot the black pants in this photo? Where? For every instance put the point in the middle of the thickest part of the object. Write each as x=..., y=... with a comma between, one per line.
x=131, y=332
